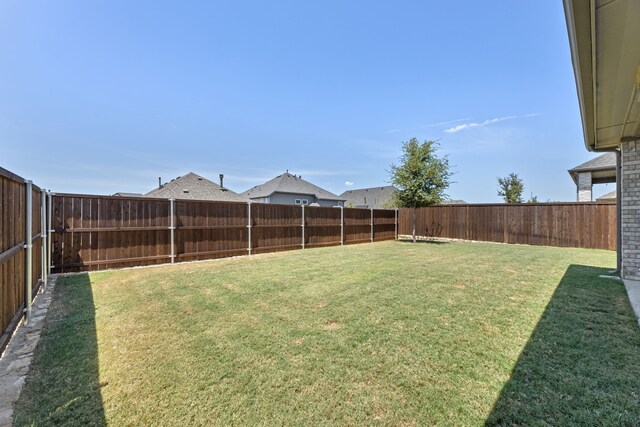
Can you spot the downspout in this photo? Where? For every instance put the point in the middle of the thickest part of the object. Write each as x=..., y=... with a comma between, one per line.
x=619, y=212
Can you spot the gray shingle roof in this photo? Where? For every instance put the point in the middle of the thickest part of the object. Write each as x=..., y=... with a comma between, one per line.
x=608, y=196
x=378, y=197
x=604, y=161
x=288, y=183
x=194, y=187
x=124, y=194
x=371, y=198
x=604, y=164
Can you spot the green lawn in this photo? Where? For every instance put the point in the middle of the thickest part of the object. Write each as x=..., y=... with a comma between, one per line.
x=389, y=333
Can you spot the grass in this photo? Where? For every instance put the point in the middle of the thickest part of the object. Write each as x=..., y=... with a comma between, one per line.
x=389, y=333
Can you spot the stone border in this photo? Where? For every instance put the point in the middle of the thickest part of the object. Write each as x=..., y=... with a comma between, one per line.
x=16, y=359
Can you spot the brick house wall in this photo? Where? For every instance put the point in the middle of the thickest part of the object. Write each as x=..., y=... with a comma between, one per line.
x=630, y=206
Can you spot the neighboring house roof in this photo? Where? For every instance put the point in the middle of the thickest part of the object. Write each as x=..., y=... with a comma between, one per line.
x=288, y=183
x=373, y=198
x=195, y=187
x=378, y=197
x=602, y=168
x=609, y=196
x=123, y=194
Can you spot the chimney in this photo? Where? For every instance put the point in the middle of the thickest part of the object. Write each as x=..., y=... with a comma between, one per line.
x=221, y=179
x=159, y=182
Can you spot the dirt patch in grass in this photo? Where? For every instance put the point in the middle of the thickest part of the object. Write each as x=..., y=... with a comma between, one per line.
x=332, y=325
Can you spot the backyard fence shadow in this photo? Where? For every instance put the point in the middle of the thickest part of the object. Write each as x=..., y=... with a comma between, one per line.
x=63, y=385
x=407, y=239
x=579, y=353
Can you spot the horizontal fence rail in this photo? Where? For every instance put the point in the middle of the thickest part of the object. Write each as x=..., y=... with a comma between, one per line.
x=99, y=232
x=24, y=249
x=579, y=225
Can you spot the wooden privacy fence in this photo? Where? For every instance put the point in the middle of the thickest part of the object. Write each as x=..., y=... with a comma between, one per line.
x=579, y=225
x=24, y=251
x=99, y=232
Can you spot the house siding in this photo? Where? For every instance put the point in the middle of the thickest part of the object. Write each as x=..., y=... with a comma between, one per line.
x=330, y=203
x=290, y=199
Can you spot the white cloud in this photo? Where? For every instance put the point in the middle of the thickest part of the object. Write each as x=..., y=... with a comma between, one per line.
x=487, y=122
x=348, y=183
x=478, y=124
x=429, y=125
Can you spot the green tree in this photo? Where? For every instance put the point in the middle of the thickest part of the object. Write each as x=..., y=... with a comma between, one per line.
x=533, y=199
x=510, y=188
x=421, y=178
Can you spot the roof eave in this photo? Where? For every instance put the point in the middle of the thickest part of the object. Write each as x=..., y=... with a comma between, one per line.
x=579, y=17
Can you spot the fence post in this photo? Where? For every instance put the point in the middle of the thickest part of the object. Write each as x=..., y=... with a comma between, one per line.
x=50, y=232
x=172, y=229
x=28, y=245
x=505, y=223
x=249, y=226
x=302, y=226
x=341, y=225
x=371, y=224
x=43, y=237
x=396, y=224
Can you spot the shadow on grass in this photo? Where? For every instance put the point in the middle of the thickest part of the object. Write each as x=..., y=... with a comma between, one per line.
x=581, y=365
x=63, y=385
x=430, y=242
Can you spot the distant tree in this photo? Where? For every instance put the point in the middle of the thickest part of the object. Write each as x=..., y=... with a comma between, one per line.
x=533, y=199
x=421, y=178
x=510, y=188
x=390, y=203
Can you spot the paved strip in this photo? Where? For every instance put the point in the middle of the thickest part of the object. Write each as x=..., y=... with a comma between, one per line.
x=633, y=291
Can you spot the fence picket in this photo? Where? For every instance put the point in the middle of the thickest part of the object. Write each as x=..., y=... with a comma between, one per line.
x=203, y=229
x=583, y=225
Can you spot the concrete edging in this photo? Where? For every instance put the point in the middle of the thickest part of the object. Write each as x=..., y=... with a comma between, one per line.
x=633, y=292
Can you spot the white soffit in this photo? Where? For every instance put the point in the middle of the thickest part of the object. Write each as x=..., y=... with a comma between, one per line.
x=617, y=25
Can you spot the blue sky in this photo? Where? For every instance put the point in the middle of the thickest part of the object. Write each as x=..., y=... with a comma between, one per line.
x=105, y=96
